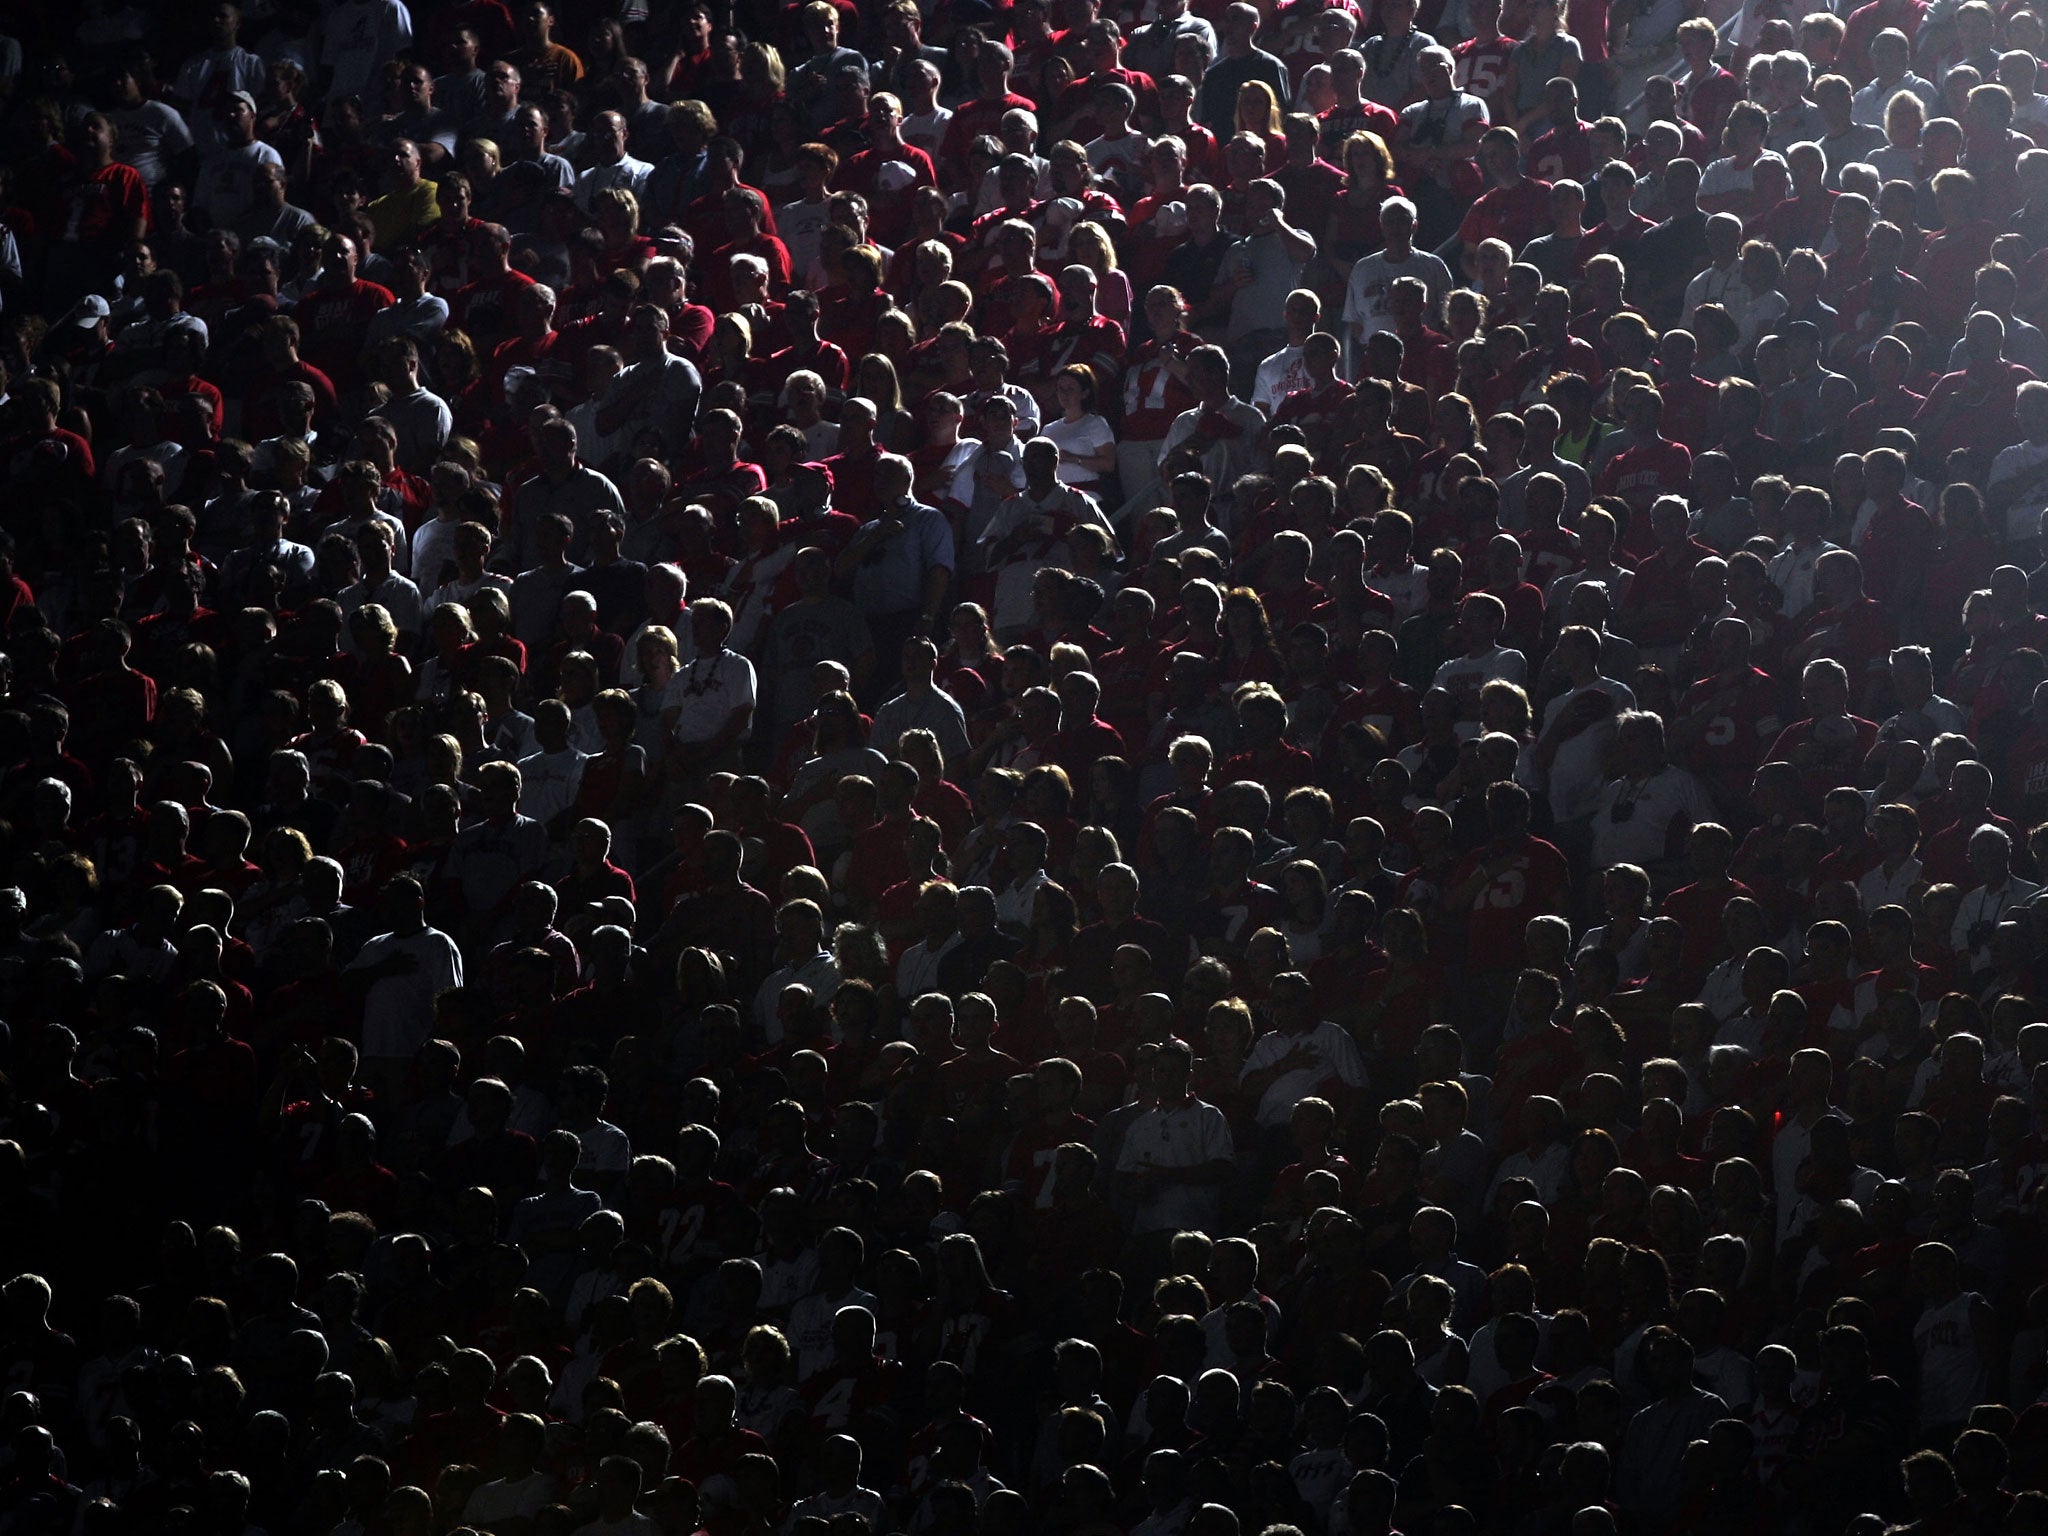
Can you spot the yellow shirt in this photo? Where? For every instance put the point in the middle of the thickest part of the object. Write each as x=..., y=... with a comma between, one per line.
x=399, y=217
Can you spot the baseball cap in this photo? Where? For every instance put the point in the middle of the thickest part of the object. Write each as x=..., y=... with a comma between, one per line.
x=90, y=311
x=242, y=97
x=822, y=471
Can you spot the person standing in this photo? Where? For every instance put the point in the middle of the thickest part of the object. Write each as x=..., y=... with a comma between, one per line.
x=900, y=566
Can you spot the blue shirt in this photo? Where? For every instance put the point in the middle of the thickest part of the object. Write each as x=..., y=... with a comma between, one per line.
x=891, y=578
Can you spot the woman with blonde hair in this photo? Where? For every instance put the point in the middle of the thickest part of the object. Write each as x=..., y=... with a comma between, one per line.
x=1898, y=158
x=617, y=212
x=875, y=379
x=1353, y=228
x=1089, y=246
x=1258, y=113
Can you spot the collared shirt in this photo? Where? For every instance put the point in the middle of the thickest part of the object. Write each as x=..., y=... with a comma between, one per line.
x=918, y=971
x=1712, y=287
x=819, y=972
x=627, y=173
x=933, y=710
x=1177, y=1136
x=1014, y=902
x=1791, y=572
x=1980, y=913
x=892, y=577
x=1867, y=105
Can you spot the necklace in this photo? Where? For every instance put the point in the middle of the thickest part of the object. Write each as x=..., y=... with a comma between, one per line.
x=698, y=683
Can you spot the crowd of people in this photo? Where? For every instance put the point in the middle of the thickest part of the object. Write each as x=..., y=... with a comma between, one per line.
x=1011, y=768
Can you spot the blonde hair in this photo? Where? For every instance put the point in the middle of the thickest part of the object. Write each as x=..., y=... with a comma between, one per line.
x=663, y=636
x=1272, y=127
x=1365, y=139
x=1104, y=251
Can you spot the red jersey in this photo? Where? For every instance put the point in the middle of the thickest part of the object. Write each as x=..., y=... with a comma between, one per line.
x=483, y=308
x=1565, y=151
x=1643, y=473
x=1534, y=882
x=1742, y=721
x=1516, y=214
x=842, y=1395
x=1827, y=759
x=715, y=270
x=889, y=180
x=104, y=206
x=971, y=119
x=1697, y=910
x=1482, y=68
x=1706, y=100
x=333, y=323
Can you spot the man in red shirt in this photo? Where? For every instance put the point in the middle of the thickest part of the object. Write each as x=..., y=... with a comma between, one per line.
x=746, y=222
x=1697, y=907
x=1690, y=402
x=983, y=112
x=483, y=306
x=1948, y=266
x=334, y=316
x=1102, y=47
x=1657, y=609
x=1621, y=226
x=1652, y=466
x=1829, y=746
x=1502, y=885
x=1850, y=628
x=1709, y=90
x=888, y=172
x=1731, y=714
x=1268, y=759
x=1482, y=59
x=104, y=206
x=1084, y=736
x=1973, y=407
x=1516, y=208
x=1566, y=151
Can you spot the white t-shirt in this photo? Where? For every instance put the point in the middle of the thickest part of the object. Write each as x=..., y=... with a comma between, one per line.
x=1279, y=376
x=398, y=1011
x=927, y=130
x=1365, y=295
x=147, y=135
x=502, y=1500
x=1631, y=821
x=1577, y=769
x=799, y=225
x=2026, y=463
x=1129, y=150
x=707, y=692
x=1463, y=676
x=1951, y=1362
x=1091, y=434
x=227, y=181
x=1723, y=176
x=1336, y=1055
x=551, y=782
x=360, y=35
x=1442, y=122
